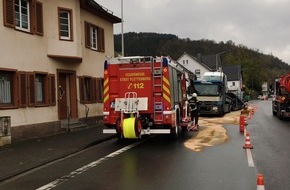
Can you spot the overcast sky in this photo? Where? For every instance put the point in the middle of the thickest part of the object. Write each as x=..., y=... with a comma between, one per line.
x=262, y=25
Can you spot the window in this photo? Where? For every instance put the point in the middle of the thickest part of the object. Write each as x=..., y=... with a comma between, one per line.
x=5, y=88
x=95, y=38
x=86, y=89
x=8, y=89
x=233, y=84
x=40, y=95
x=24, y=15
x=87, y=92
x=26, y=89
x=197, y=73
x=91, y=89
x=38, y=89
x=65, y=24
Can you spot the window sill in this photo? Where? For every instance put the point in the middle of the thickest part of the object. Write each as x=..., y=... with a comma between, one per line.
x=41, y=105
x=5, y=107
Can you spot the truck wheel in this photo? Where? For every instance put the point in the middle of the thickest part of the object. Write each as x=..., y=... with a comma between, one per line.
x=175, y=132
x=118, y=128
x=273, y=110
x=222, y=113
x=138, y=127
x=279, y=111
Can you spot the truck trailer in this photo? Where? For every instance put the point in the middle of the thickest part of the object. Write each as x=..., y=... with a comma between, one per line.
x=143, y=96
x=281, y=100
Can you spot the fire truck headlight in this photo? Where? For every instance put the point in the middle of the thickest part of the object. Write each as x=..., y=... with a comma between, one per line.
x=215, y=108
x=283, y=98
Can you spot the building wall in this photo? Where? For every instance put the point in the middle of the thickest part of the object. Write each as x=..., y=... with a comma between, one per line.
x=236, y=88
x=192, y=65
x=28, y=52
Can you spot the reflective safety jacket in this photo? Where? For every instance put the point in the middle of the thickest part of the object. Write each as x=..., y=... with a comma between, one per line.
x=193, y=104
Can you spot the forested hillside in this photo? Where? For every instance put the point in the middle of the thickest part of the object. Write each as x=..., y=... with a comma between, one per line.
x=257, y=66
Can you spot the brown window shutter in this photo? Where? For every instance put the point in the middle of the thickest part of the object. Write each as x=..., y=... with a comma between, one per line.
x=102, y=89
x=101, y=40
x=38, y=18
x=22, y=89
x=87, y=35
x=82, y=89
x=102, y=37
x=52, y=96
x=94, y=90
x=99, y=90
x=15, y=89
x=9, y=13
x=32, y=16
x=31, y=89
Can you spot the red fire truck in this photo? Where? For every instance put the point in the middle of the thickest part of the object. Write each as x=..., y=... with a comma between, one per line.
x=281, y=101
x=144, y=95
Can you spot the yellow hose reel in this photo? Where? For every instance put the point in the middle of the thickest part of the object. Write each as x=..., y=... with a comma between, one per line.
x=131, y=128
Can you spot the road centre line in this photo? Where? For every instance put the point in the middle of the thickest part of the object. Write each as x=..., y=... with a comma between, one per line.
x=81, y=170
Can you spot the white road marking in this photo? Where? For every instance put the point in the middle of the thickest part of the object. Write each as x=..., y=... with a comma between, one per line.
x=249, y=154
x=250, y=158
x=81, y=170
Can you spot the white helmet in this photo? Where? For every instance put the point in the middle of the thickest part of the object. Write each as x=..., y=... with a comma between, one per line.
x=194, y=95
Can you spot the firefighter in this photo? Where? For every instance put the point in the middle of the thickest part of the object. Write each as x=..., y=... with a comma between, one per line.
x=194, y=111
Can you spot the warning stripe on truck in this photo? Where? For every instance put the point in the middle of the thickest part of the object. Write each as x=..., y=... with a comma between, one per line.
x=166, y=89
x=106, y=90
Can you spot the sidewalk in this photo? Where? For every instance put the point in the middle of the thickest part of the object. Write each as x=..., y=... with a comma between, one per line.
x=22, y=156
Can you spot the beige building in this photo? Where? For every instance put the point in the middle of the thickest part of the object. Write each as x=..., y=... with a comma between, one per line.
x=51, y=67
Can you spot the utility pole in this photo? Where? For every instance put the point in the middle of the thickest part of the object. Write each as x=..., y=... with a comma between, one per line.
x=122, y=28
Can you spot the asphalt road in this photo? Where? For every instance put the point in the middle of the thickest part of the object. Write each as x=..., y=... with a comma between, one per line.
x=158, y=162
x=271, y=140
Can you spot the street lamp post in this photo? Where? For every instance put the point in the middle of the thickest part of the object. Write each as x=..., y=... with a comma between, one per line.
x=218, y=56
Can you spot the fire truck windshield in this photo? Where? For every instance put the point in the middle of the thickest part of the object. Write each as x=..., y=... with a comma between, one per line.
x=207, y=89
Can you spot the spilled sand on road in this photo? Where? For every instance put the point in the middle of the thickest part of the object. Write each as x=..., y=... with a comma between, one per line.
x=212, y=131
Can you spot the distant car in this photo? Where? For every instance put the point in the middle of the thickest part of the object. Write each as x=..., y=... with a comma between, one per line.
x=265, y=97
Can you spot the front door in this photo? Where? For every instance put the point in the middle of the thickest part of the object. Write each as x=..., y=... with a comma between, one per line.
x=67, y=94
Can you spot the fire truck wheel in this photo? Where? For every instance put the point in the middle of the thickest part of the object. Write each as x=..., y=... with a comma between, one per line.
x=138, y=127
x=279, y=115
x=175, y=131
x=273, y=110
x=118, y=128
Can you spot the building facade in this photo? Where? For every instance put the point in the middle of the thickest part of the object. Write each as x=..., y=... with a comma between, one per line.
x=193, y=64
x=51, y=68
x=235, y=79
